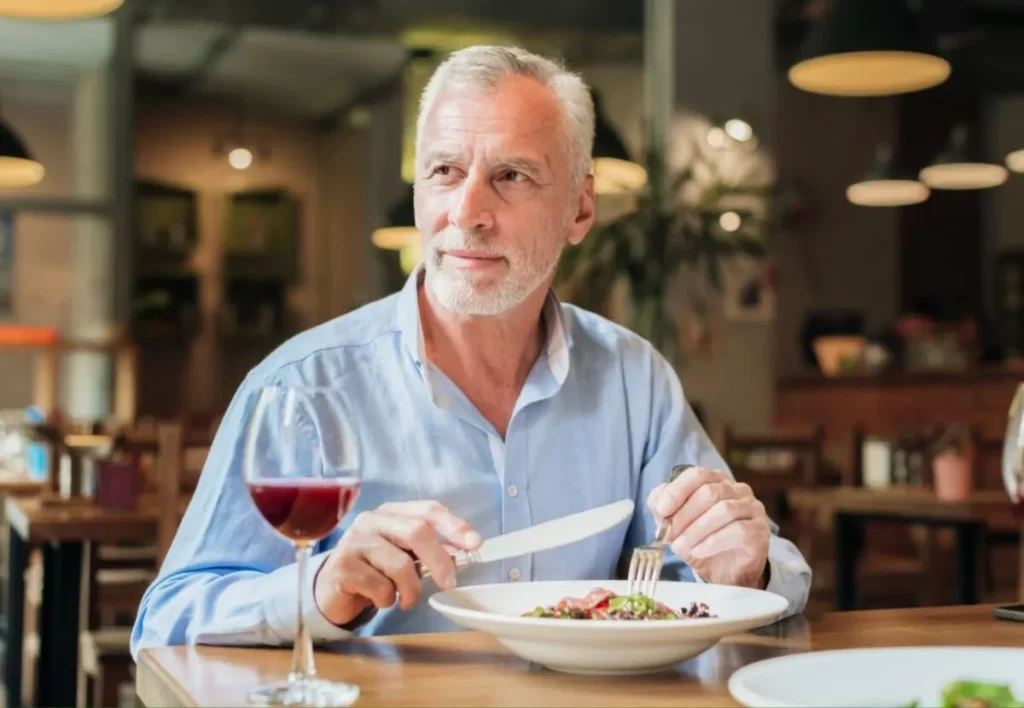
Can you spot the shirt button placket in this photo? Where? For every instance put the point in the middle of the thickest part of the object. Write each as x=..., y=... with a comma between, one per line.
x=516, y=507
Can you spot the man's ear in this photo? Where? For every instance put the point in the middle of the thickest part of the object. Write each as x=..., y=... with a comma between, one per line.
x=586, y=212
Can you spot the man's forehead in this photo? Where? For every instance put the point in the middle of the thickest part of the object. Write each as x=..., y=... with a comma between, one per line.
x=508, y=124
x=516, y=105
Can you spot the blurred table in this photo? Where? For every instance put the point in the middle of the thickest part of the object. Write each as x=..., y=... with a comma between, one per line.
x=472, y=669
x=849, y=508
x=61, y=531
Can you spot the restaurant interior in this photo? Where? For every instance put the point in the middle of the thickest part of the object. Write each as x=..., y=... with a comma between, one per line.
x=186, y=184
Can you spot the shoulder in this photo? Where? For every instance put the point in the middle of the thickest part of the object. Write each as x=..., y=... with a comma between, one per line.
x=353, y=336
x=597, y=339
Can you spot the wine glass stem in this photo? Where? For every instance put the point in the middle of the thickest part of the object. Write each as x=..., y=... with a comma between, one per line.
x=302, y=654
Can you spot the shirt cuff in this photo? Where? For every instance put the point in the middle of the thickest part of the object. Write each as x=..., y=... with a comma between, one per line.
x=284, y=606
x=787, y=584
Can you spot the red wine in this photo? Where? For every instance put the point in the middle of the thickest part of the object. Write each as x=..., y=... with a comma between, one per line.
x=304, y=509
x=1018, y=508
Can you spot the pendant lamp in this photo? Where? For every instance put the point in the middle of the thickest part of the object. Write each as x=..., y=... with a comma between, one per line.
x=57, y=9
x=17, y=167
x=399, y=229
x=614, y=170
x=868, y=48
x=957, y=167
x=887, y=185
x=399, y=233
x=1015, y=160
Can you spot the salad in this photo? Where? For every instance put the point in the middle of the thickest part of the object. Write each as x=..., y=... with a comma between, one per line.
x=975, y=694
x=601, y=604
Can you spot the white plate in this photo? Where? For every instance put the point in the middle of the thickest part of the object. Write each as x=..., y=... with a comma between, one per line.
x=608, y=646
x=893, y=676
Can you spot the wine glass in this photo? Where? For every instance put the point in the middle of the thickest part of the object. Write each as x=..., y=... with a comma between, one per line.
x=301, y=465
x=1013, y=452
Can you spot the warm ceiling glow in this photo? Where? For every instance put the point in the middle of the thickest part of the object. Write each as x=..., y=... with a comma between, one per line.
x=57, y=9
x=730, y=221
x=19, y=172
x=613, y=176
x=872, y=73
x=1015, y=160
x=395, y=238
x=739, y=130
x=964, y=175
x=887, y=192
x=240, y=158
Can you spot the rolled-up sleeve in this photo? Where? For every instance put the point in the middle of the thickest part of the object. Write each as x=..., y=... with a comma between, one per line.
x=229, y=578
x=677, y=437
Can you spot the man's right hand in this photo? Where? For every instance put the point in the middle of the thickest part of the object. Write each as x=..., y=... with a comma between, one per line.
x=372, y=565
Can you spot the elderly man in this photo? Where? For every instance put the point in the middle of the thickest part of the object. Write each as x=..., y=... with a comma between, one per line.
x=503, y=407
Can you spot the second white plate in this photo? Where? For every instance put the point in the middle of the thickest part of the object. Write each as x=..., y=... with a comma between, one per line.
x=891, y=676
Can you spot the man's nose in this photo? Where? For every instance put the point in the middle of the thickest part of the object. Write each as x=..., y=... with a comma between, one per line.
x=474, y=209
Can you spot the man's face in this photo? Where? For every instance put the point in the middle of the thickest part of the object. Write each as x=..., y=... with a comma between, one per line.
x=494, y=203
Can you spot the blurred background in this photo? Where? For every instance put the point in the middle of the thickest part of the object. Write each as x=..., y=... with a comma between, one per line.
x=822, y=199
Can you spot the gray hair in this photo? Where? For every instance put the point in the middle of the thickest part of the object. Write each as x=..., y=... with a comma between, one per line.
x=485, y=66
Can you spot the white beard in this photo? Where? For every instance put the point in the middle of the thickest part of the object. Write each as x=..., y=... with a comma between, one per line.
x=454, y=289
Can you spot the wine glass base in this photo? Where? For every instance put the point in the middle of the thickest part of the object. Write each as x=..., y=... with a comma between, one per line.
x=305, y=692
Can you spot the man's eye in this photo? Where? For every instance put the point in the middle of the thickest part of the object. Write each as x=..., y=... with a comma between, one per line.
x=513, y=176
x=441, y=171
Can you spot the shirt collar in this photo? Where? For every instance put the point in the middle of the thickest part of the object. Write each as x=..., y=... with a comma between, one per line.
x=557, y=330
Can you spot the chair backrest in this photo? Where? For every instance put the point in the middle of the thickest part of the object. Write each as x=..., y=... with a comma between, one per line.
x=798, y=453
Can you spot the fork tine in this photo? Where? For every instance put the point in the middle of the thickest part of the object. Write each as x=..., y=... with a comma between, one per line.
x=634, y=567
x=655, y=575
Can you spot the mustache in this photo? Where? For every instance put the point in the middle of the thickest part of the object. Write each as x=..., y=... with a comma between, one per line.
x=461, y=241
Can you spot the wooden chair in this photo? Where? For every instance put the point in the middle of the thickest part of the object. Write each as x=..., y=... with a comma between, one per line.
x=772, y=463
x=116, y=577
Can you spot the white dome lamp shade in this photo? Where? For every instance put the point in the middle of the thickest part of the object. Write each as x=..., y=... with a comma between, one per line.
x=17, y=166
x=958, y=168
x=399, y=232
x=887, y=185
x=1015, y=161
x=615, y=172
x=868, y=48
x=57, y=9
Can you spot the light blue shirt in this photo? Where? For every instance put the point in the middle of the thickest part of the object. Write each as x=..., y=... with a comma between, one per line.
x=601, y=417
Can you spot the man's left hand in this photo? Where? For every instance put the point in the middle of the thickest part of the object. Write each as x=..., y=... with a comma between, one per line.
x=717, y=526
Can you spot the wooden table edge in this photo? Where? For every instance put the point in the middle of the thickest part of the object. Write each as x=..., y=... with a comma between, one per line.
x=152, y=678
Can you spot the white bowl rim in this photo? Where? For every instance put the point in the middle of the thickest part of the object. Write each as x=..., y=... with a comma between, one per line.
x=442, y=603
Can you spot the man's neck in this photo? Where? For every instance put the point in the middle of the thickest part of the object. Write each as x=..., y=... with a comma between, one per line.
x=488, y=357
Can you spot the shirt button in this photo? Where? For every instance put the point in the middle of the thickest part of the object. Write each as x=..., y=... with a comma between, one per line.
x=513, y=574
x=512, y=491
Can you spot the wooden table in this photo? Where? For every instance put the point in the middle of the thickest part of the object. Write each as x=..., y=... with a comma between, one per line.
x=61, y=531
x=471, y=669
x=851, y=507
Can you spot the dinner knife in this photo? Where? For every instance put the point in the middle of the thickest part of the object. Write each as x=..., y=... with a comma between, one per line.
x=541, y=537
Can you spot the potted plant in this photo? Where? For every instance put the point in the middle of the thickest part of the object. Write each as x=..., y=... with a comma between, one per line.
x=684, y=224
x=953, y=463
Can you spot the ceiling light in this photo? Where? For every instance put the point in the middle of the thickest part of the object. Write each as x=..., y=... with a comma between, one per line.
x=868, y=48
x=240, y=158
x=735, y=132
x=614, y=170
x=739, y=130
x=57, y=9
x=730, y=221
x=1015, y=160
x=17, y=167
x=957, y=168
x=887, y=185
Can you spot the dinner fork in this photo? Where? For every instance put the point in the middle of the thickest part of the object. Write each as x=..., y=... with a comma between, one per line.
x=646, y=563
